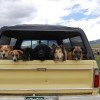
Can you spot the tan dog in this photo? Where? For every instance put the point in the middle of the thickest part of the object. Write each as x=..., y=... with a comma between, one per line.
x=16, y=55
x=75, y=54
x=5, y=51
x=59, y=54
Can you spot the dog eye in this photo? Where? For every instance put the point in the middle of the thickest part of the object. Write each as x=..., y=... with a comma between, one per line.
x=59, y=51
x=56, y=52
x=16, y=55
x=6, y=50
x=80, y=52
x=1, y=51
x=75, y=52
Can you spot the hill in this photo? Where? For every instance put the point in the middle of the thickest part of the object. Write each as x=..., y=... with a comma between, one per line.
x=95, y=43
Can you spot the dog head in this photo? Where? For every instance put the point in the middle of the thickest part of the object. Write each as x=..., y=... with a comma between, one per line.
x=42, y=52
x=77, y=53
x=59, y=53
x=27, y=54
x=16, y=55
x=5, y=51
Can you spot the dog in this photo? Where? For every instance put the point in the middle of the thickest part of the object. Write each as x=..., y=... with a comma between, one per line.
x=16, y=55
x=5, y=51
x=75, y=54
x=27, y=54
x=60, y=53
x=42, y=52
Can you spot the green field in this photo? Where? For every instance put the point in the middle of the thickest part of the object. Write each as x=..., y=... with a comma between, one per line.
x=98, y=61
x=95, y=46
x=97, y=57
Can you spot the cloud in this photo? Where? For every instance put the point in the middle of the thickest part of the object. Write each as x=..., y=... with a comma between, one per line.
x=15, y=12
x=50, y=11
x=76, y=13
x=90, y=26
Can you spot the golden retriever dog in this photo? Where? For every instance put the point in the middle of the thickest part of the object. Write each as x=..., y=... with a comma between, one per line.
x=75, y=54
x=60, y=53
x=5, y=51
x=16, y=55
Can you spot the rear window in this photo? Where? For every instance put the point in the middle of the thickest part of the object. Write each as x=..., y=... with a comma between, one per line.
x=5, y=40
x=30, y=39
x=77, y=41
x=13, y=41
x=69, y=43
x=33, y=43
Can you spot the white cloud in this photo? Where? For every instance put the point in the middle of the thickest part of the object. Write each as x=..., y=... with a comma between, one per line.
x=90, y=26
x=92, y=7
x=51, y=12
x=15, y=11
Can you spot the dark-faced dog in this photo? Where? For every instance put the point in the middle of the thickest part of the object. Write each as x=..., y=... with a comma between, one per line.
x=42, y=52
x=77, y=53
x=27, y=54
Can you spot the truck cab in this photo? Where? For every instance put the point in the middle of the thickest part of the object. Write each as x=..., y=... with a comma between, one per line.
x=48, y=77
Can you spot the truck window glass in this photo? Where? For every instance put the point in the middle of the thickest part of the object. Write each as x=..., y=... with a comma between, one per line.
x=77, y=41
x=67, y=44
x=26, y=44
x=13, y=41
x=4, y=40
x=33, y=43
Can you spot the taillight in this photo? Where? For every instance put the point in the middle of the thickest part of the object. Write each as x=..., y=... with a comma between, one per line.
x=96, y=78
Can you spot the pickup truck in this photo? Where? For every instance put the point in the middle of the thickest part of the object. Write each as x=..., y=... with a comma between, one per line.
x=48, y=79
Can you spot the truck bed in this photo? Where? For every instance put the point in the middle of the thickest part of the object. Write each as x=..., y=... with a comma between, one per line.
x=47, y=77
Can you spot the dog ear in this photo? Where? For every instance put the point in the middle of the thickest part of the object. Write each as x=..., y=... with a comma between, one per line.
x=82, y=48
x=10, y=52
x=72, y=48
x=21, y=52
x=10, y=47
x=0, y=46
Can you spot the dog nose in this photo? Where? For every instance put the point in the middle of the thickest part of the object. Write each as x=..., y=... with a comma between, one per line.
x=78, y=57
x=57, y=58
x=3, y=55
x=14, y=60
x=41, y=53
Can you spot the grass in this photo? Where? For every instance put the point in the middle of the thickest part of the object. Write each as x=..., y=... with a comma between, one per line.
x=95, y=45
x=98, y=61
x=97, y=57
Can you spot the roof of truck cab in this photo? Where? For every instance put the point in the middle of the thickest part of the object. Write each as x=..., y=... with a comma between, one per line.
x=40, y=31
x=39, y=27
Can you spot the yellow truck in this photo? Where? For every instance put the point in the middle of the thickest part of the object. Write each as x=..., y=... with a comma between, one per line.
x=48, y=79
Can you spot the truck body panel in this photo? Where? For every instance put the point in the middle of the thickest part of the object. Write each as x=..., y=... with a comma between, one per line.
x=47, y=76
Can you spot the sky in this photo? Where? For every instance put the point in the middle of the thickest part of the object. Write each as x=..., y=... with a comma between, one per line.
x=84, y=14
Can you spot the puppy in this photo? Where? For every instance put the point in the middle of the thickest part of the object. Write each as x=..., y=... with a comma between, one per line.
x=5, y=51
x=60, y=53
x=16, y=55
x=76, y=53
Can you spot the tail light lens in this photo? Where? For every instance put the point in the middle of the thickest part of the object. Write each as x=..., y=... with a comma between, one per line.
x=96, y=78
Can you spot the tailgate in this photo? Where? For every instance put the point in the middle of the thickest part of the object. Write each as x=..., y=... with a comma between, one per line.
x=46, y=76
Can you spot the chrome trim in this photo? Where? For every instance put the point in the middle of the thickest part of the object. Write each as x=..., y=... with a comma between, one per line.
x=45, y=68
x=51, y=89
x=93, y=78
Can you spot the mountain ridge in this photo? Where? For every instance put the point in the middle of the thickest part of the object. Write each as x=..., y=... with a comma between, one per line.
x=95, y=43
